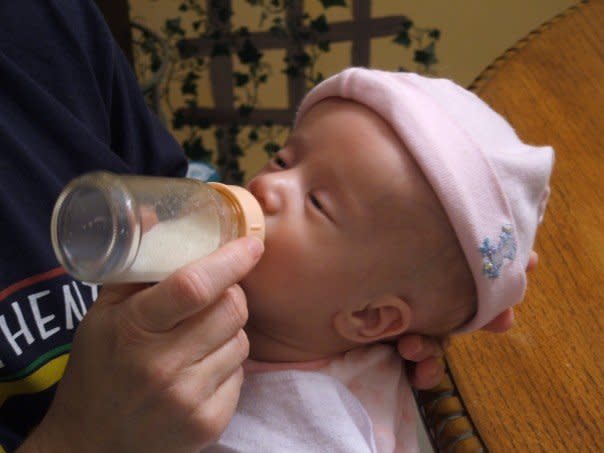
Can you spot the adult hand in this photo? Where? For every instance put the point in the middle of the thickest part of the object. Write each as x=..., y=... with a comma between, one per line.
x=156, y=368
x=428, y=370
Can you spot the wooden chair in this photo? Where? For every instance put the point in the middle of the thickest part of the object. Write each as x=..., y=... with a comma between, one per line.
x=540, y=387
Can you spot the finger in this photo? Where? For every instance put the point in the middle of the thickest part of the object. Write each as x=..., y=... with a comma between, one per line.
x=205, y=332
x=116, y=293
x=502, y=323
x=427, y=374
x=417, y=347
x=205, y=376
x=213, y=415
x=195, y=286
x=533, y=261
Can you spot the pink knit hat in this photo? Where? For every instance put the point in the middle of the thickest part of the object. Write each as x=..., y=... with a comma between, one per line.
x=493, y=187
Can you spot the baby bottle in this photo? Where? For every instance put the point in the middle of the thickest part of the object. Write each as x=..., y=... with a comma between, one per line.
x=125, y=228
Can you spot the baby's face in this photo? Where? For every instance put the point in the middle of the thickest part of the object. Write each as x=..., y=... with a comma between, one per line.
x=336, y=230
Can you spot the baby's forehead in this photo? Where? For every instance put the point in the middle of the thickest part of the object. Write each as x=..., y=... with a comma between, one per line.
x=365, y=155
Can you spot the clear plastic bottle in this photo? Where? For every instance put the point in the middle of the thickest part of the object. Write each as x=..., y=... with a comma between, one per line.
x=125, y=228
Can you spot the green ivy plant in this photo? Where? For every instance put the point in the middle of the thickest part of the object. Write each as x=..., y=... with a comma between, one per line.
x=307, y=33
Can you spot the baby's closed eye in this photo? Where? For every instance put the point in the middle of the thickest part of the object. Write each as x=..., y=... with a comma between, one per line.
x=316, y=202
x=279, y=161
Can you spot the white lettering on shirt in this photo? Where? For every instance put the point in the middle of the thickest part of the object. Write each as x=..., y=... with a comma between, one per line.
x=41, y=321
x=24, y=331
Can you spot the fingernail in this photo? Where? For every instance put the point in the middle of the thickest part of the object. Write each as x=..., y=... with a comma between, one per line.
x=255, y=246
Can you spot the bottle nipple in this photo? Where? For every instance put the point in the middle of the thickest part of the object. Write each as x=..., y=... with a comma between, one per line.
x=248, y=209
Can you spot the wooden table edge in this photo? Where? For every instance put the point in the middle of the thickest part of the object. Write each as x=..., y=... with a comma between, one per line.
x=478, y=83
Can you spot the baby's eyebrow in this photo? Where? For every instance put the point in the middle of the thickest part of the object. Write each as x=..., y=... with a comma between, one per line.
x=297, y=141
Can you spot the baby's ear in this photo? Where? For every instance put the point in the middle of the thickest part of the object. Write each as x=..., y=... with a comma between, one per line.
x=386, y=316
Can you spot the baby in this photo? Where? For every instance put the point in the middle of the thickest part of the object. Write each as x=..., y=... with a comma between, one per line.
x=399, y=204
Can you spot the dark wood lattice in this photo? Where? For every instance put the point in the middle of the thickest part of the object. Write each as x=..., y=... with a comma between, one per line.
x=359, y=31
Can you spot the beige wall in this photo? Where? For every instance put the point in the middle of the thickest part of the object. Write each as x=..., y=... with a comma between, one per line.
x=473, y=34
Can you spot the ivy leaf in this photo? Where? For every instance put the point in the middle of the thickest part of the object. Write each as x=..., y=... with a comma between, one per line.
x=249, y=54
x=320, y=24
x=244, y=32
x=173, y=27
x=156, y=62
x=329, y=3
x=195, y=150
x=271, y=148
x=203, y=123
x=245, y=110
x=240, y=78
x=324, y=45
x=292, y=71
x=402, y=38
x=234, y=129
x=434, y=34
x=406, y=24
x=189, y=85
x=426, y=56
x=236, y=151
x=178, y=120
x=302, y=59
x=149, y=44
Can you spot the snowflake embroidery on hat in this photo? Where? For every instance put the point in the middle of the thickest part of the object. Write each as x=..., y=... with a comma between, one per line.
x=493, y=256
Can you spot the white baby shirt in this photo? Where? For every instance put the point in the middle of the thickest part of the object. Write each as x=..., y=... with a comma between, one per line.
x=358, y=402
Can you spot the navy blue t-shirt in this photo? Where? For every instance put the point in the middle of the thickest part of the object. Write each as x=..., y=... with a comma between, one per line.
x=69, y=104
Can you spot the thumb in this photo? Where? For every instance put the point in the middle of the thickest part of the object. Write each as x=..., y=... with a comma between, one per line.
x=195, y=286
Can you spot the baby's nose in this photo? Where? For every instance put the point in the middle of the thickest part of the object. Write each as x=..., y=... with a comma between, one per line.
x=267, y=193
